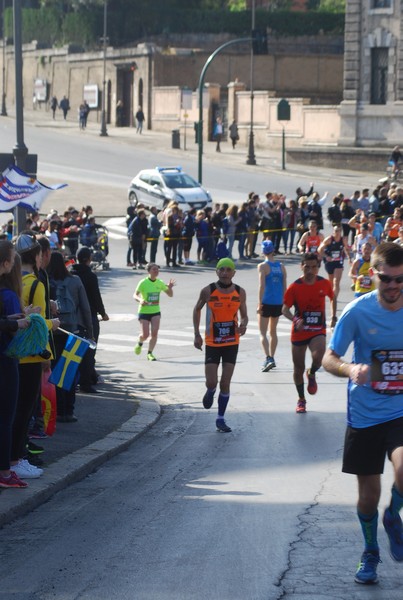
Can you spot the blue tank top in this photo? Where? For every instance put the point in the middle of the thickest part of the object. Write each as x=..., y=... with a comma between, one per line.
x=273, y=291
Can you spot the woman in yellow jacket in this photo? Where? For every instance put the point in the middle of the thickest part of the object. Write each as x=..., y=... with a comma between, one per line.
x=30, y=368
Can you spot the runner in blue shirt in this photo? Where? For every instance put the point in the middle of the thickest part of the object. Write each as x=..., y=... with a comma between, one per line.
x=272, y=285
x=373, y=323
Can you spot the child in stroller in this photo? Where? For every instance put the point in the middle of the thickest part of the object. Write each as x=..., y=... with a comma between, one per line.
x=95, y=236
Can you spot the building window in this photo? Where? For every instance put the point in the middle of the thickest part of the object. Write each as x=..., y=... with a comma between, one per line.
x=379, y=75
x=381, y=3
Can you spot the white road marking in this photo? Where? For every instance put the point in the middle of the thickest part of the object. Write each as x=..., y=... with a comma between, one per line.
x=117, y=229
x=122, y=317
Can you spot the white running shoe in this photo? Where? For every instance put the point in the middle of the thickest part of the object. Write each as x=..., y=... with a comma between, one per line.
x=24, y=470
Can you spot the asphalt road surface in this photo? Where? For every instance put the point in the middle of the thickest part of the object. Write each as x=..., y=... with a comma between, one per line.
x=188, y=513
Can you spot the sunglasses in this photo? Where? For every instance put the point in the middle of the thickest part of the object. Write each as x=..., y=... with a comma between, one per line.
x=387, y=279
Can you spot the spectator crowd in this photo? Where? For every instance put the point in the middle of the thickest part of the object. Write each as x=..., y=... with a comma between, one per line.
x=233, y=231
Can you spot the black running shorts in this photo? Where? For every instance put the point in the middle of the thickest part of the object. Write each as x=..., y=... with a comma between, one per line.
x=365, y=449
x=271, y=310
x=227, y=354
x=148, y=317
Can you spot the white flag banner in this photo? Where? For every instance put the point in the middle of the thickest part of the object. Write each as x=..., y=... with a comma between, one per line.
x=18, y=188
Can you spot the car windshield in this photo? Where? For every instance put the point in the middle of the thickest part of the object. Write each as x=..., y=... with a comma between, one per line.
x=179, y=180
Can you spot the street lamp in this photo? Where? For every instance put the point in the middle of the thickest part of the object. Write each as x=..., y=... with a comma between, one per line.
x=3, y=97
x=104, y=131
x=251, y=151
x=20, y=151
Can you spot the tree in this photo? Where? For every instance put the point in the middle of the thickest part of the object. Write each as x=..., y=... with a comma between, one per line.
x=332, y=5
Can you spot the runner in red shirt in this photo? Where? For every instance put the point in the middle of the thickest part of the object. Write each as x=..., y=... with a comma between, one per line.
x=308, y=296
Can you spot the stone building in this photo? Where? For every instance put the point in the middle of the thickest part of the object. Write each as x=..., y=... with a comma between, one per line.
x=371, y=113
x=309, y=68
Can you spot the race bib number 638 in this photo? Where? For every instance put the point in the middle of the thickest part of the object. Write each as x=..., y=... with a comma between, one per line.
x=387, y=371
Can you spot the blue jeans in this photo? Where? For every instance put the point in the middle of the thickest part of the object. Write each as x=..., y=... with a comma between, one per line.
x=288, y=234
x=241, y=244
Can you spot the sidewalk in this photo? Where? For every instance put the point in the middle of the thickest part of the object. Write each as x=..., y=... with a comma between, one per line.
x=268, y=160
x=108, y=423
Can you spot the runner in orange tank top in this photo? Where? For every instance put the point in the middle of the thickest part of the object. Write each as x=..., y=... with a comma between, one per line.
x=311, y=240
x=223, y=301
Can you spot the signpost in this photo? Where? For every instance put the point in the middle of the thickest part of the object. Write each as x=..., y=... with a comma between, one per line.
x=283, y=114
x=186, y=102
x=41, y=90
x=91, y=95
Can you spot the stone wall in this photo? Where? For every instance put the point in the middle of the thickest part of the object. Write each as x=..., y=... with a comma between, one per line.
x=319, y=77
x=309, y=125
x=143, y=72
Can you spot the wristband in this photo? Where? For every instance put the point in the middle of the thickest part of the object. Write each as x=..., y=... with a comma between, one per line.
x=340, y=367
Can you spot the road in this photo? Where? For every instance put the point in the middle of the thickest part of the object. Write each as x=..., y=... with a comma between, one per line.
x=187, y=513
x=99, y=169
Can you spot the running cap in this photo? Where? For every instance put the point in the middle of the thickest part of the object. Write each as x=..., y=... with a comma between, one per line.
x=25, y=242
x=225, y=262
x=267, y=247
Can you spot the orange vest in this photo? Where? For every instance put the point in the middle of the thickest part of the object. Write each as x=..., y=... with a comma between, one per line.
x=222, y=317
x=393, y=234
x=312, y=243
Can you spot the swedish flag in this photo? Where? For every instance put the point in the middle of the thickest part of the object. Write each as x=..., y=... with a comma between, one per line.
x=65, y=370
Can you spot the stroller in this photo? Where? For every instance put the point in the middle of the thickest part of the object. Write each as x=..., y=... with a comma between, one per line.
x=96, y=237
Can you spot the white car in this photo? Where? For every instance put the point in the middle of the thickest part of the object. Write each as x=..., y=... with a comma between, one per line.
x=157, y=187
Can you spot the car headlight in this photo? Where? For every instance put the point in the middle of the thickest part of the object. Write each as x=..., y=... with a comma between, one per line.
x=179, y=198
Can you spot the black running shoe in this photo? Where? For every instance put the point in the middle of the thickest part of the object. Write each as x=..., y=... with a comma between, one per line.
x=208, y=400
x=34, y=448
x=222, y=426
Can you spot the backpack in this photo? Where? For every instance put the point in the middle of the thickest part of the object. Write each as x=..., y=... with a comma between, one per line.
x=67, y=308
x=221, y=250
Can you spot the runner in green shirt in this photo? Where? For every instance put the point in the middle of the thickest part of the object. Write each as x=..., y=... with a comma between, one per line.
x=147, y=294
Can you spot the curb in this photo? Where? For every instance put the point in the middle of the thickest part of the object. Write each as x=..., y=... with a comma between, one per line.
x=76, y=466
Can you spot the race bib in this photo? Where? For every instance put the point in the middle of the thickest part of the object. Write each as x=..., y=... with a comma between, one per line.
x=313, y=320
x=224, y=332
x=366, y=282
x=336, y=255
x=153, y=298
x=387, y=371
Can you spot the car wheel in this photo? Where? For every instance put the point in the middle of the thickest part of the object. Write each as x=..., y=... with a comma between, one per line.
x=133, y=199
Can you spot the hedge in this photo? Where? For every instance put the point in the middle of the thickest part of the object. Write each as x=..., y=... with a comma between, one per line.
x=85, y=27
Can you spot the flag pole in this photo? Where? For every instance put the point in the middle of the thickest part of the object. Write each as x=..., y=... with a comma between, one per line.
x=92, y=343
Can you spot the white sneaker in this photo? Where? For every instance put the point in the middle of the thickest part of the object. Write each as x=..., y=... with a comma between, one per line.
x=24, y=470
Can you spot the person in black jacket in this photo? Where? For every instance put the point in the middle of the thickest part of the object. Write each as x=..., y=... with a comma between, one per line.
x=137, y=234
x=88, y=375
x=9, y=324
x=154, y=229
x=334, y=212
